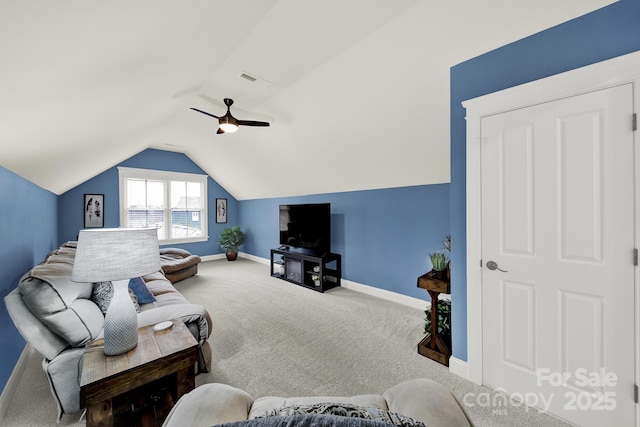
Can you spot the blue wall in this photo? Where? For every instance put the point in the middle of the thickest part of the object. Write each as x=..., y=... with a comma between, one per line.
x=603, y=34
x=384, y=236
x=70, y=210
x=28, y=229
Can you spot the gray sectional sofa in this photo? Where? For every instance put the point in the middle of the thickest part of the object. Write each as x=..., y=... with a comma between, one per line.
x=57, y=317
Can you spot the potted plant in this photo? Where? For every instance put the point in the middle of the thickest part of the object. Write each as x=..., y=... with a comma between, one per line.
x=444, y=321
x=439, y=264
x=230, y=240
x=440, y=260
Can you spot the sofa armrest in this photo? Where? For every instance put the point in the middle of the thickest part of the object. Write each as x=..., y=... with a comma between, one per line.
x=427, y=401
x=191, y=314
x=48, y=344
x=208, y=405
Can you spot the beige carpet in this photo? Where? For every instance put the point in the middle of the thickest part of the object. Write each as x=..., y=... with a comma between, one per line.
x=271, y=337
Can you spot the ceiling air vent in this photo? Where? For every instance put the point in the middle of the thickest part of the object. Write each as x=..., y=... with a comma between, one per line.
x=248, y=77
x=255, y=79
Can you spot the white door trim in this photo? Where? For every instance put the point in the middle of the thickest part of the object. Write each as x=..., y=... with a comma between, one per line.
x=613, y=72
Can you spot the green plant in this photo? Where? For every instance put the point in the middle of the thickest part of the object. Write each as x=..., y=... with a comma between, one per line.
x=444, y=320
x=438, y=261
x=231, y=239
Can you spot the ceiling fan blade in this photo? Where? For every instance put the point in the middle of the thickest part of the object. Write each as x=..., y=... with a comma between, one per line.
x=252, y=123
x=238, y=110
x=204, y=112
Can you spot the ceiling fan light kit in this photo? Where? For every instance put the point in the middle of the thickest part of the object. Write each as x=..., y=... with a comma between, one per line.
x=228, y=127
x=228, y=123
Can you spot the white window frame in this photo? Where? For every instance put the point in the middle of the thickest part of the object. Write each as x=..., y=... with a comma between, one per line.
x=125, y=173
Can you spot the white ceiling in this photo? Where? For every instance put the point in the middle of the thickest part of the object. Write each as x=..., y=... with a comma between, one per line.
x=357, y=91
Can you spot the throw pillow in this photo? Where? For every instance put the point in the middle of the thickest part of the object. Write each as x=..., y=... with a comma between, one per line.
x=346, y=410
x=140, y=289
x=103, y=292
x=311, y=420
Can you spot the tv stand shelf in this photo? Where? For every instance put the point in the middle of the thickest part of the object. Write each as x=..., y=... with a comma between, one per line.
x=299, y=268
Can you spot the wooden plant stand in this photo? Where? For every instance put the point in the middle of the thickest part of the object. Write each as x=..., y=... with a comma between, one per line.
x=433, y=346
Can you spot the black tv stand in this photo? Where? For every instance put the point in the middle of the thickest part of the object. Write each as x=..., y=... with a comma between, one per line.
x=302, y=268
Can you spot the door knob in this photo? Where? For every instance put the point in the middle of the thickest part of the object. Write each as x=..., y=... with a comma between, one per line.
x=492, y=265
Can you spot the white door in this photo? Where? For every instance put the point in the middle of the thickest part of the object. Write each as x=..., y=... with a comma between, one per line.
x=558, y=220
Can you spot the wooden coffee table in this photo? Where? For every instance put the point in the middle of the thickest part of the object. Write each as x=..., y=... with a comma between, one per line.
x=112, y=385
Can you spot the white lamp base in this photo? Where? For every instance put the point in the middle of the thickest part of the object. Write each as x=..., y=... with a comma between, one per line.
x=120, y=321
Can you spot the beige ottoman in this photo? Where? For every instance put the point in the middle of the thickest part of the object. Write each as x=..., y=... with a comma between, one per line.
x=178, y=264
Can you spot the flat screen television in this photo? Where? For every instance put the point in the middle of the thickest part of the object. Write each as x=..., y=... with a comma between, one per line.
x=306, y=226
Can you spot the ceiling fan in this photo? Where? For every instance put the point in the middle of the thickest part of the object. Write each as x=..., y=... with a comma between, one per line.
x=228, y=123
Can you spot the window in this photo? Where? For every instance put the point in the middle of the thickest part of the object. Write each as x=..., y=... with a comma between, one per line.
x=175, y=203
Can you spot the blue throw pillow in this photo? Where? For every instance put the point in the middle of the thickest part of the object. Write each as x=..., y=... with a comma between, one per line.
x=139, y=288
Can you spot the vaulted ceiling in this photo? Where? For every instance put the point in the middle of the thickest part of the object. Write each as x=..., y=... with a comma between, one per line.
x=357, y=91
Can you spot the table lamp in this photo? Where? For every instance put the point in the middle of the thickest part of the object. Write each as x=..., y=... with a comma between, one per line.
x=117, y=255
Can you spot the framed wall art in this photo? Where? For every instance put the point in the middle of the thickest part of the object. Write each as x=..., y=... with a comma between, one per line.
x=221, y=211
x=93, y=210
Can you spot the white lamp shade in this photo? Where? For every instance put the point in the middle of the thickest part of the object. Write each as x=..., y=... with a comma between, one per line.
x=109, y=254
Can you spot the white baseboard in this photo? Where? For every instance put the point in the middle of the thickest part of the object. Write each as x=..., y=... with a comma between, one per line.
x=254, y=258
x=240, y=254
x=459, y=367
x=384, y=294
x=12, y=383
x=213, y=257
